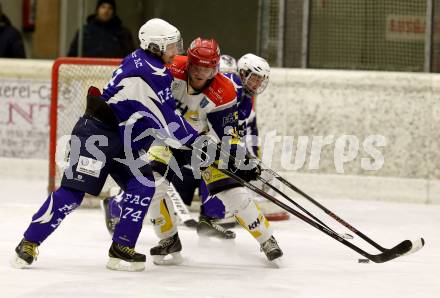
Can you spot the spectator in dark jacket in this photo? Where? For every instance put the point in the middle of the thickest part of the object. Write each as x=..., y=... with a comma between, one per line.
x=104, y=35
x=11, y=43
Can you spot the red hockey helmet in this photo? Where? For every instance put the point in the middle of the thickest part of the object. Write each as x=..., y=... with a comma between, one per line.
x=204, y=52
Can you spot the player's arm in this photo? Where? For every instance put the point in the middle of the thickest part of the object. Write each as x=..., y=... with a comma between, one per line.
x=137, y=104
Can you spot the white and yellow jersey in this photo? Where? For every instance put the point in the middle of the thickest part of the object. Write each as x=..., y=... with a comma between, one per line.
x=213, y=110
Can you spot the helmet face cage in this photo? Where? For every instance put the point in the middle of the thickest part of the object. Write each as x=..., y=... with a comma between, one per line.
x=161, y=46
x=254, y=83
x=254, y=72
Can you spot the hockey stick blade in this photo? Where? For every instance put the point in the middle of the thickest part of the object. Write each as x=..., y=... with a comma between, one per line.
x=415, y=246
x=404, y=248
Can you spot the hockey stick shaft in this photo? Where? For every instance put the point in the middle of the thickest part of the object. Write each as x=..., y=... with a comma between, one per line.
x=405, y=247
x=264, y=181
x=181, y=210
x=402, y=248
x=325, y=209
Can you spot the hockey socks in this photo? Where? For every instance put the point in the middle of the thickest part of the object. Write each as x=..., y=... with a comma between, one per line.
x=162, y=217
x=253, y=220
x=56, y=207
x=135, y=203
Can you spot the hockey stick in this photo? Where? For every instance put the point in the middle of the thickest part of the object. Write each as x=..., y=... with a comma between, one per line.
x=316, y=203
x=326, y=210
x=403, y=248
x=264, y=181
x=179, y=206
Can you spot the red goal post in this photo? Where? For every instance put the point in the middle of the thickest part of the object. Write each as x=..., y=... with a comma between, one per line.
x=71, y=77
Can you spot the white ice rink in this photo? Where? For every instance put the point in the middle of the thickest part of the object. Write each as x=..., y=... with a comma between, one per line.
x=72, y=261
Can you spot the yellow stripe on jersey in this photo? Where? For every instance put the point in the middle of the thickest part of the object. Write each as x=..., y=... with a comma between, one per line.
x=160, y=154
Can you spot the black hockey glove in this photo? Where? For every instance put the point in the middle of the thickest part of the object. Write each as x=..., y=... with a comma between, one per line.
x=248, y=174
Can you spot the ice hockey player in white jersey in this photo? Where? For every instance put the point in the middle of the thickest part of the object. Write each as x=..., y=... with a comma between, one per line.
x=208, y=101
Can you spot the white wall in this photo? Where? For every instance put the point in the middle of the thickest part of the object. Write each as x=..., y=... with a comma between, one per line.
x=404, y=108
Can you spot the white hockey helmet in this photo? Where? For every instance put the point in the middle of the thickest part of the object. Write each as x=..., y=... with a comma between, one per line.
x=157, y=34
x=228, y=64
x=254, y=72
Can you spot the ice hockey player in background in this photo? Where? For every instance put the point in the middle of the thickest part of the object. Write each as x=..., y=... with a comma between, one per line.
x=250, y=77
x=135, y=100
x=228, y=64
x=208, y=100
x=253, y=74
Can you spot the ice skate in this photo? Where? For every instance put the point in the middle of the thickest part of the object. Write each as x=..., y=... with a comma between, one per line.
x=228, y=222
x=168, y=246
x=124, y=258
x=26, y=253
x=271, y=249
x=209, y=227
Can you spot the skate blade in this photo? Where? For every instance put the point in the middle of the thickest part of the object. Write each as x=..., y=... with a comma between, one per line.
x=277, y=263
x=176, y=259
x=214, y=234
x=18, y=263
x=191, y=223
x=121, y=265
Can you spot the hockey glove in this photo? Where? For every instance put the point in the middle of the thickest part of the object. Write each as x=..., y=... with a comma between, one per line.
x=244, y=172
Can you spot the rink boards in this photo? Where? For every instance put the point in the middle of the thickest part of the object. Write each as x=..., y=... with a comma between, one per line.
x=341, y=109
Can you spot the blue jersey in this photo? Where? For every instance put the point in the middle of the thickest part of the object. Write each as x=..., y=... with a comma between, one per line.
x=247, y=119
x=139, y=94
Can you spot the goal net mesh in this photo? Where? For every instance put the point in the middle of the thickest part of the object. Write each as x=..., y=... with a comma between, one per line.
x=71, y=79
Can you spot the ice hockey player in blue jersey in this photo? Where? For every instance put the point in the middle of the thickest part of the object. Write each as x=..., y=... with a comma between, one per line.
x=135, y=109
x=252, y=79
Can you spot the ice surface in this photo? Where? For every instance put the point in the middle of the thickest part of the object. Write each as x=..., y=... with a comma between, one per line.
x=72, y=261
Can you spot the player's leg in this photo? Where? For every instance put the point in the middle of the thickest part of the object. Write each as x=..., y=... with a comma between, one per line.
x=187, y=186
x=239, y=201
x=161, y=211
x=86, y=173
x=136, y=200
x=50, y=215
x=164, y=220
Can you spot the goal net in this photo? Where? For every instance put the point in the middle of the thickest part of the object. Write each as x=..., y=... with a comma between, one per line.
x=71, y=78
